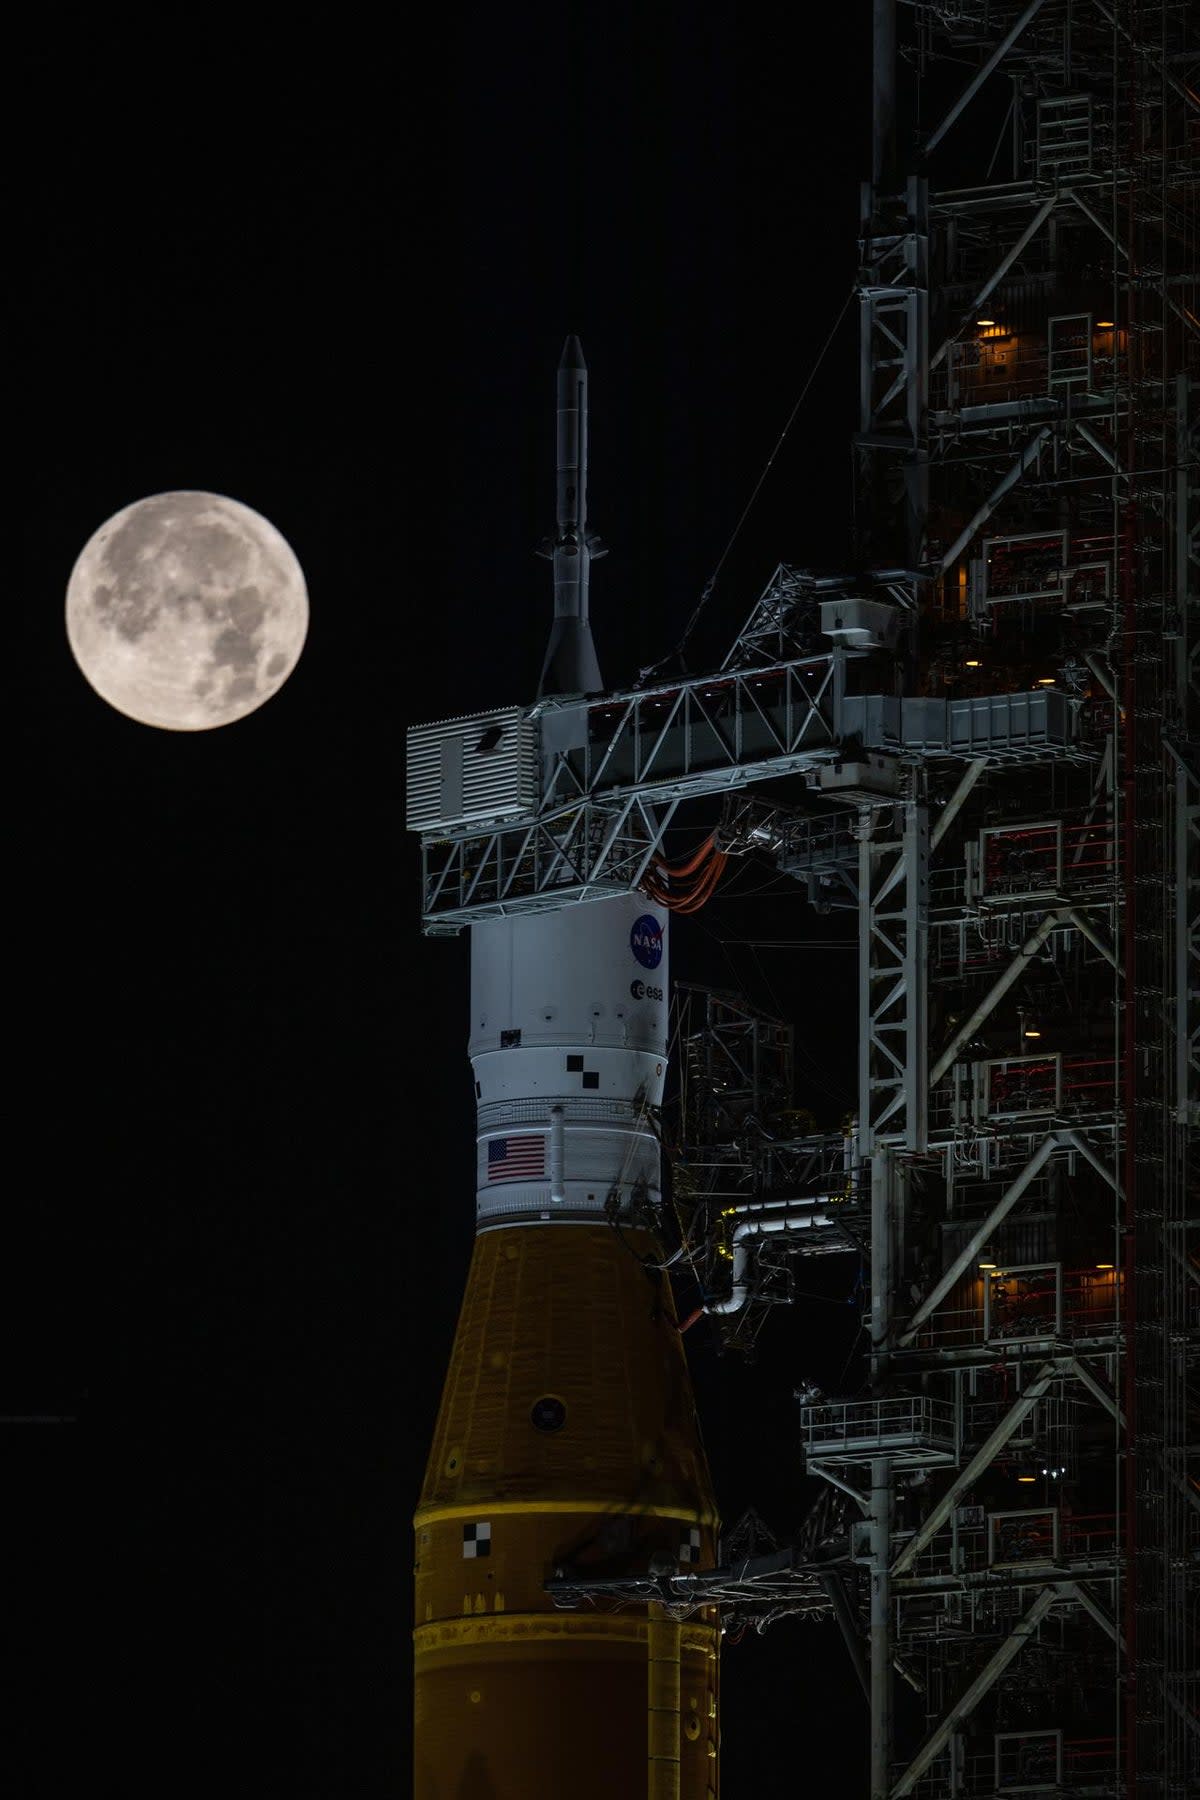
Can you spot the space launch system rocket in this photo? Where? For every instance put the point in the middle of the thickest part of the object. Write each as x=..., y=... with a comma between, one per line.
x=567, y=1439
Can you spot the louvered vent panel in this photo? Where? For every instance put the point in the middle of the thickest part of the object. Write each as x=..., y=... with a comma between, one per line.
x=482, y=767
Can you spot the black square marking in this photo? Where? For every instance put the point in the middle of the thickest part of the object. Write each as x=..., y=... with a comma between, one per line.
x=689, y=1550
x=477, y=1539
x=591, y=1079
x=574, y=1064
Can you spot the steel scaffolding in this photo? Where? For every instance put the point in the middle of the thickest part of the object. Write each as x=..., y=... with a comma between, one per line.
x=1027, y=445
x=993, y=725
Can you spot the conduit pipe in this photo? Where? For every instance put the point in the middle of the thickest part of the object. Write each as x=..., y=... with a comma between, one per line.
x=767, y=1216
x=557, y=1185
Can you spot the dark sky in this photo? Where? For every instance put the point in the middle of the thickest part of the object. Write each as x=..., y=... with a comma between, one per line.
x=329, y=273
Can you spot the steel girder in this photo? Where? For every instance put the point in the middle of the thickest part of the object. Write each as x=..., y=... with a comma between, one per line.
x=893, y=886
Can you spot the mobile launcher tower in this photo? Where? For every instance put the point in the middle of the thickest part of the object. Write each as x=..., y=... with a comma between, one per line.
x=985, y=742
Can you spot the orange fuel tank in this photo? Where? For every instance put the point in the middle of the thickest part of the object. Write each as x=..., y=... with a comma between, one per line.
x=567, y=1442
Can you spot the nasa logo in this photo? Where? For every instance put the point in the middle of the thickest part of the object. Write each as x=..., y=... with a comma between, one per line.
x=642, y=991
x=646, y=941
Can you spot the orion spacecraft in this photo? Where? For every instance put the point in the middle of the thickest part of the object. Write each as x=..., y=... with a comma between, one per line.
x=567, y=1437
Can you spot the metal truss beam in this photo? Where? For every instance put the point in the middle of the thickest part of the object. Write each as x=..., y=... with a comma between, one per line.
x=785, y=620
x=576, y=853
x=615, y=769
x=1058, y=1368
x=962, y=792
x=980, y=1236
x=995, y=1666
x=1092, y=1568
x=861, y=1500
x=1098, y=1389
x=998, y=273
x=1094, y=1610
x=1057, y=1140
x=834, y=1586
x=893, y=888
x=981, y=75
x=1007, y=482
x=705, y=735
x=894, y=371
x=1020, y=1409
x=1053, y=921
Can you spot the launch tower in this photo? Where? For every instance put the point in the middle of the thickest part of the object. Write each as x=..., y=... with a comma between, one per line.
x=987, y=730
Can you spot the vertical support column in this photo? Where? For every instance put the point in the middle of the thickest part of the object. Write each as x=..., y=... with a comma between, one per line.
x=883, y=140
x=893, y=941
x=867, y=855
x=894, y=375
x=916, y=470
x=881, y=1628
x=883, y=1229
x=915, y=851
x=1186, y=713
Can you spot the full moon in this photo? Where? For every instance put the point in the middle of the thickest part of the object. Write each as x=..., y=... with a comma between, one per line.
x=187, y=611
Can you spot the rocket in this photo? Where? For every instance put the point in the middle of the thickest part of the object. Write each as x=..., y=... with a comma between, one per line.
x=566, y=1442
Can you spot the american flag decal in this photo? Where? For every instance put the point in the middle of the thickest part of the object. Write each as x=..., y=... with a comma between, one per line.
x=516, y=1158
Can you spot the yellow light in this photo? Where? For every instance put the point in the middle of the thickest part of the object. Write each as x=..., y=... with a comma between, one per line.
x=1046, y=680
x=1104, y=324
x=1033, y=1031
x=1026, y=1477
x=972, y=662
x=984, y=1264
x=985, y=321
x=1105, y=1265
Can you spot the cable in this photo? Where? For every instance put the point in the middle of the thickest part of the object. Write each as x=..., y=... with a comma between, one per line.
x=653, y=668
x=705, y=864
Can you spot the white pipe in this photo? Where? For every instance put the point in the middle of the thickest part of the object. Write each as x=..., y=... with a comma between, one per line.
x=786, y=1218
x=557, y=1188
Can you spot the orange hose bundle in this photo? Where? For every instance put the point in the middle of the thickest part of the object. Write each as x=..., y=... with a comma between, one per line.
x=706, y=865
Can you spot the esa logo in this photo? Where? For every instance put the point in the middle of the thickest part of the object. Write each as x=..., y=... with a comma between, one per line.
x=641, y=990
x=646, y=941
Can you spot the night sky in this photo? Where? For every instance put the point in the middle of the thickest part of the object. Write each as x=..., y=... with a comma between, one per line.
x=329, y=273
